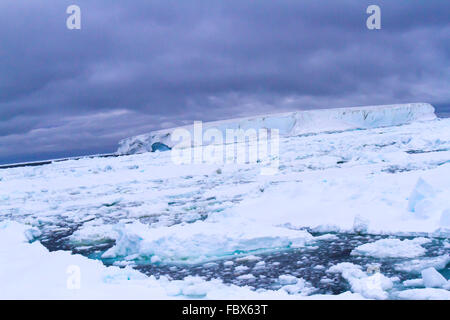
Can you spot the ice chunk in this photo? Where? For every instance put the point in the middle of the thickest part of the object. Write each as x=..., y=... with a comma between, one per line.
x=15, y=232
x=202, y=241
x=392, y=248
x=96, y=233
x=296, y=286
x=194, y=287
x=287, y=279
x=248, y=276
x=241, y=268
x=433, y=279
x=248, y=258
x=413, y=283
x=327, y=237
x=260, y=265
x=127, y=243
x=370, y=286
x=425, y=294
x=32, y=234
x=417, y=265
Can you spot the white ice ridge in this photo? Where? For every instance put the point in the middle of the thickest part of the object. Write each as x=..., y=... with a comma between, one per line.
x=295, y=123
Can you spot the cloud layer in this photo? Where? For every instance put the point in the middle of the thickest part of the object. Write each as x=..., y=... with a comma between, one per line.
x=143, y=65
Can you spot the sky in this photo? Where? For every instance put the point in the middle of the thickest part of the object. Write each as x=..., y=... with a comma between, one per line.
x=141, y=65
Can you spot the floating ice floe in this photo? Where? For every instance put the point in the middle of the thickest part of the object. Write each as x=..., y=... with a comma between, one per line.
x=94, y=233
x=360, y=224
x=294, y=285
x=424, y=294
x=202, y=241
x=287, y=279
x=417, y=265
x=413, y=283
x=433, y=279
x=392, y=248
x=373, y=286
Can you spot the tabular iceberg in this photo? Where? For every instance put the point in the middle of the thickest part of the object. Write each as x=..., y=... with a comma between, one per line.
x=294, y=123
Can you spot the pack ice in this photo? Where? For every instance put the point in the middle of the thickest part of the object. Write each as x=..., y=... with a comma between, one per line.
x=371, y=170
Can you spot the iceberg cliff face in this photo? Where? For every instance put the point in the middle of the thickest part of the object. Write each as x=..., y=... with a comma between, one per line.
x=293, y=123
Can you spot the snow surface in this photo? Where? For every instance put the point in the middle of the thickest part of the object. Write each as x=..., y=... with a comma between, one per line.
x=295, y=123
x=417, y=265
x=381, y=180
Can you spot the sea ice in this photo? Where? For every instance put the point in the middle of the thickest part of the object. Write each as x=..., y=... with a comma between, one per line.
x=202, y=241
x=433, y=279
x=369, y=286
x=360, y=224
x=331, y=178
x=247, y=276
x=287, y=279
x=413, y=283
x=392, y=248
x=424, y=294
x=297, y=286
x=417, y=265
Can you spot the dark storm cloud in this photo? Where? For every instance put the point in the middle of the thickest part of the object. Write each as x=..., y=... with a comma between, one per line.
x=142, y=65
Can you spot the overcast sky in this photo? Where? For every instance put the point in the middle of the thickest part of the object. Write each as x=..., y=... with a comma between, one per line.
x=141, y=65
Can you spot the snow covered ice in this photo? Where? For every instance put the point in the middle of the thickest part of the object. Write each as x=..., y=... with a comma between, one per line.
x=295, y=123
x=355, y=188
x=433, y=279
x=392, y=248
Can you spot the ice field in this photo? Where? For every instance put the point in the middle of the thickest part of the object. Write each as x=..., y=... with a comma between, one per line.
x=359, y=208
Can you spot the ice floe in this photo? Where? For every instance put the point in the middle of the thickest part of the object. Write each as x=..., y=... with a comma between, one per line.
x=373, y=286
x=424, y=294
x=417, y=265
x=202, y=241
x=393, y=248
x=433, y=279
